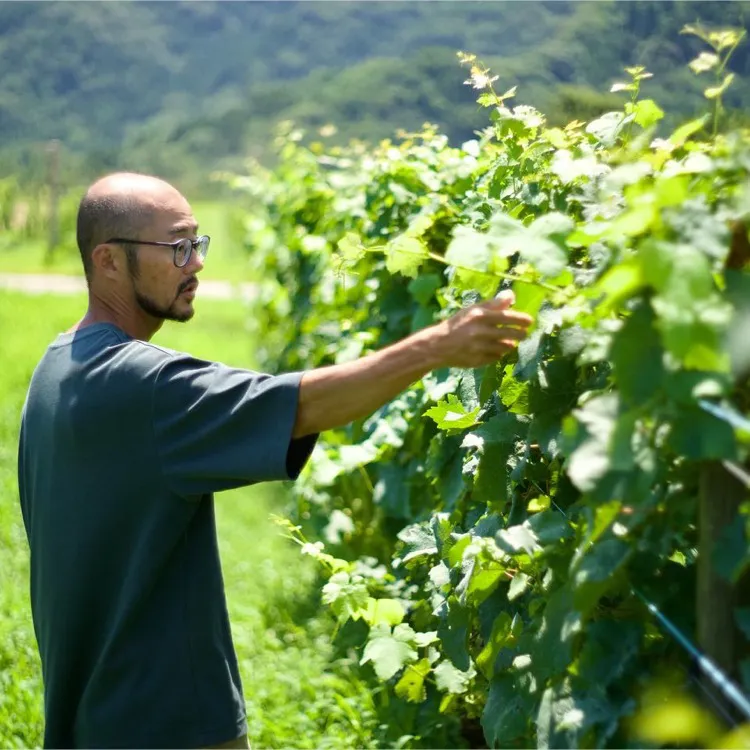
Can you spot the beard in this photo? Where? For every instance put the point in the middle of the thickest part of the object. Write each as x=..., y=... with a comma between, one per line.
x=152, y=308
x=162, y=312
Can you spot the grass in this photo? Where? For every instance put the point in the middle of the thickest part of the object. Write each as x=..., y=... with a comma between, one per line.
x=299, y=692
x=226, y=260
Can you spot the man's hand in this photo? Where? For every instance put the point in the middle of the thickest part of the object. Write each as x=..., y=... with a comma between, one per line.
x=478, y=335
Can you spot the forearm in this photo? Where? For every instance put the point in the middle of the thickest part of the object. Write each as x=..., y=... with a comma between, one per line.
x=339, y=394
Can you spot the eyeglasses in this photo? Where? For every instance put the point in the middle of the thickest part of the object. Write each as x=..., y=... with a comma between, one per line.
x=182, y=249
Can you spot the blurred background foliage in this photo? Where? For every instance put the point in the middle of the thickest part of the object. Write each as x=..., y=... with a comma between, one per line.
x=184, y=88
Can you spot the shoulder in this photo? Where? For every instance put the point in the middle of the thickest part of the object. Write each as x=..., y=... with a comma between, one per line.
x=146, y=360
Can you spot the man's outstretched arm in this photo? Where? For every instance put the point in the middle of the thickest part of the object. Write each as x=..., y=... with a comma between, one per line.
x=337, y=395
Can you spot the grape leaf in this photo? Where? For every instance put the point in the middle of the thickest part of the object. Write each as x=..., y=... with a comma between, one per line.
x=636, y=355
x=383, y=611
x=351, y=247
x=346, y=595
x=405, y=255
x=469, y=249
x=419, y=541
x=507, y=712
x=700, y=436
x=529, y=297
x=504, y=634
x=389, y=651
x=451, y=414
x=646, y=112
x=452, y=680
x=424, y=286
x=705, y=61
x=560, y=623
x=453, y=631
x=411, y=685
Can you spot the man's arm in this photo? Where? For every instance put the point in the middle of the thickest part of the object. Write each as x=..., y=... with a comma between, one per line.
x=337, y=395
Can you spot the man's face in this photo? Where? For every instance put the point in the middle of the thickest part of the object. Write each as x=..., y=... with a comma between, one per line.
x=161, y=289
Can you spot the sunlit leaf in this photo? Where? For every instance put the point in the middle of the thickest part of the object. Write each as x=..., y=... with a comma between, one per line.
x=713, y=92
x=705, y=61
x=389, y=651
x=451, y=414
x=351, y=247
x=411, y=686
x=405, y=255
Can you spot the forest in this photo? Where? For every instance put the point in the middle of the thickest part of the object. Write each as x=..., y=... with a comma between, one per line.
x=175, y=87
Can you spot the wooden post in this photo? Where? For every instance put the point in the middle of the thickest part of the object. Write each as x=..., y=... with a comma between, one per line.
x=718, y=634
x=53, y=150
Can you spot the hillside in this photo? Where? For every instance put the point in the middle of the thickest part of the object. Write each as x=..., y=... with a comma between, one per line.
x=174, y=86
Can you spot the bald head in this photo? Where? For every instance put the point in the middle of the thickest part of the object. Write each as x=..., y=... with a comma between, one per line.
x=118, y=205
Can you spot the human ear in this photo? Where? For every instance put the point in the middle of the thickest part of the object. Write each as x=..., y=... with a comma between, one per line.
x=107, y=260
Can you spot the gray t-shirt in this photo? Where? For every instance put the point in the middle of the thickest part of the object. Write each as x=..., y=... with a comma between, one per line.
x=122, y=445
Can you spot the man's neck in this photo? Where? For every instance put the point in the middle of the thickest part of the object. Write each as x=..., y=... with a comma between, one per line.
x=136, y=324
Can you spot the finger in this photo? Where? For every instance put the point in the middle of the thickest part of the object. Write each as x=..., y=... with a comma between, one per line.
x=499, y=334
x=502, y=301
x=497, y=350
x=508, y=317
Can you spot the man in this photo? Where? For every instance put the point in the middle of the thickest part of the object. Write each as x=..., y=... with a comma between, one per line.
x=122, y=446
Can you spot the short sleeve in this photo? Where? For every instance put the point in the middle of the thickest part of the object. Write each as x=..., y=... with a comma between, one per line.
x=218, y=427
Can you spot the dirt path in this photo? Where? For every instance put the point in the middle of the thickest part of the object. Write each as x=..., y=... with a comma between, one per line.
x=59, y=284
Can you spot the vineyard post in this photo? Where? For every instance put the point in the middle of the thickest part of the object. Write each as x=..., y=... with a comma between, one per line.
x=53, y=150
x=718, y=633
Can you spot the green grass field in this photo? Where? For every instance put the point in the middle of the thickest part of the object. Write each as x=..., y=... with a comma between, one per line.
x=298, y=693
x=226, y=259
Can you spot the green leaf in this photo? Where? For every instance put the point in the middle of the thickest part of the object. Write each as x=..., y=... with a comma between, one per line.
x=705, y=61
x=700, y=436
x=636, y=355
x=411, y=685
x=453, y=631
x=503, y=635
x=546, y=256
x=538, y=504
x=451, y=414
x=470, y=249
x=405, y=255
x=742, y=617
x=684, y=132
x=507, y=713
x=517, y=539
x=452, y=680
x=560, y=623
x=529, y=297
x=419, y=541
x=346, y=595
x=590, y=461
x=383, y=611
x=424, y=286
x=518, y=586
x=389, y=652
x=607, y=128
x=713, y=92
x=594, y=572
x=646, y=112
x=391, y=491
x=633, y=221
x=482, y=584
x=491, y=480
x=514, y=395
x=608, y=648
x=731, y=555
x=552, y=224
x=350, y=246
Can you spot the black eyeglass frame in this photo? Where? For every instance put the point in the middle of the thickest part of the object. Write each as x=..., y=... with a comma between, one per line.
x=203, y=241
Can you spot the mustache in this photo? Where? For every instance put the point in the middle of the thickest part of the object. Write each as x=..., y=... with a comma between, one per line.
x=186, y=284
